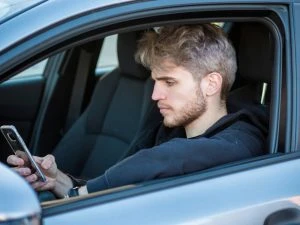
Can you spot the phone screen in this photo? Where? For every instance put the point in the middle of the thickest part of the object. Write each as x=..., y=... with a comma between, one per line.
x=16, y=143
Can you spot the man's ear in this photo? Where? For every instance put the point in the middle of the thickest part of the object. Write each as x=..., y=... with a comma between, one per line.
x=212, y=84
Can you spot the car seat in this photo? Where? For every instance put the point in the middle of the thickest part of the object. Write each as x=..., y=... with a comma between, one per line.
x=104, y=132
x=255, y=53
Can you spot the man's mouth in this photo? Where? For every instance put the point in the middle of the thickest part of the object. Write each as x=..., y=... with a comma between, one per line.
x=163, y=108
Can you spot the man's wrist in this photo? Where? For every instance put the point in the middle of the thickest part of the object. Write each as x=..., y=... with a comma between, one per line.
x=83, y=190
x=77, y=191
x=76, y=181
x=63, y=183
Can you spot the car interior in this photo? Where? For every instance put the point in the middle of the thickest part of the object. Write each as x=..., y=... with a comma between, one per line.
x=100, y=120
x=113, y=117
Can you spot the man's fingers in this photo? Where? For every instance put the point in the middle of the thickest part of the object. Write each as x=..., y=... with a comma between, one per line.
x=23, y=171
x=22, y=155
x=48, y=162
x=38, y=185
x=32, y=178
x=15, y=160
x=44, y=162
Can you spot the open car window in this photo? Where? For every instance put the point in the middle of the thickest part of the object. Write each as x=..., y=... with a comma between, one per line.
x=247, y=92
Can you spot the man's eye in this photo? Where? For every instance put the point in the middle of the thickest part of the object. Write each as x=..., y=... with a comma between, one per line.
x=170, y=83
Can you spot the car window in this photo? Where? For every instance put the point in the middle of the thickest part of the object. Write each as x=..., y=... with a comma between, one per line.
x=108, y=58
x=35, y=70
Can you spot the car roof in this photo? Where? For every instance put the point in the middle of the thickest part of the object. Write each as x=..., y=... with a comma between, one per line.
x=39, y=14
x=12, y=8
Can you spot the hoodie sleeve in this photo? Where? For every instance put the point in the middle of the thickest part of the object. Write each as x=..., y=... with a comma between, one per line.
x=180, y=156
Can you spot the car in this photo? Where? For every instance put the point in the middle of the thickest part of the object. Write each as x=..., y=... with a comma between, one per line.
x=70, y=85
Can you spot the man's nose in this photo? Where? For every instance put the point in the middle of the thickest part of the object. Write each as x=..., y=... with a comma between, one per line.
x=157, y=93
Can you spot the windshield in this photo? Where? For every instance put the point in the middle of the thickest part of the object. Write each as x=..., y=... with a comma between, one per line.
x=11, y=8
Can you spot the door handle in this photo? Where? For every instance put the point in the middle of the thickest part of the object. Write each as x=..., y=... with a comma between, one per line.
x=288, y=216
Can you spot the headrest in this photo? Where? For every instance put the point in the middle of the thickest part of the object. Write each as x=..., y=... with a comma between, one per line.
x=255, y=52
x=127, y=46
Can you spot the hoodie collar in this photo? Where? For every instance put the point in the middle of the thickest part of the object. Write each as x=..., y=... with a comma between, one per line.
x=231, y=118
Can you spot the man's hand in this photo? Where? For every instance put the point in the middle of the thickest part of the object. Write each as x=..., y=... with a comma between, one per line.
x=47, y=165
x=57, y=182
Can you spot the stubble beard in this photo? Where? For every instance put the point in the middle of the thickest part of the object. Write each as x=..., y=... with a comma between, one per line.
x=191, y=111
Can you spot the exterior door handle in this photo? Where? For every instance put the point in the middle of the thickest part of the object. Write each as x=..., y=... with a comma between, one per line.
x=288, y=216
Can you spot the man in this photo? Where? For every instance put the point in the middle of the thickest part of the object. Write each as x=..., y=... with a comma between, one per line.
x=193, y=67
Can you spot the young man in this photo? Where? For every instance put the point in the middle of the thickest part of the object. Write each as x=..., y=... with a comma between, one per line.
x=193, y=67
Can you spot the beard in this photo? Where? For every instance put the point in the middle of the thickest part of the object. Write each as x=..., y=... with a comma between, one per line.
x=191, y=111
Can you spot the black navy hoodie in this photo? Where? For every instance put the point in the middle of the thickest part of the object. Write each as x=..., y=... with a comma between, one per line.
x=235, y=136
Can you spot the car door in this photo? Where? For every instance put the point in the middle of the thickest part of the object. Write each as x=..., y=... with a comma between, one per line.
x=263, y=190
x=243, y=194
x=260, y=191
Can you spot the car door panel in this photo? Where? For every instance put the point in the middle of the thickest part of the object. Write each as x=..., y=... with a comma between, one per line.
x=247, y=197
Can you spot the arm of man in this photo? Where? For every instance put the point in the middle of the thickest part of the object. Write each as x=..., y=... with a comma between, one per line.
x=180, y=156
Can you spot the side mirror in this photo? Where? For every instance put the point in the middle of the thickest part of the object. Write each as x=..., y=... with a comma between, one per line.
x=19, y=203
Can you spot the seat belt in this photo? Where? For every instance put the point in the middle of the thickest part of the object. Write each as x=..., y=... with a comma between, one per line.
x=80, y=82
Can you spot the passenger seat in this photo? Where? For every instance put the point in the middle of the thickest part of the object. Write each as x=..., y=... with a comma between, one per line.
x=104, y=132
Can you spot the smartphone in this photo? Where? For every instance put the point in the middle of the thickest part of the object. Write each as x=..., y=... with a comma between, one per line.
x=16, y=142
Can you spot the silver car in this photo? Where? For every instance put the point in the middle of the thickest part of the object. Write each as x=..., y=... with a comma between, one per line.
x=41, y=44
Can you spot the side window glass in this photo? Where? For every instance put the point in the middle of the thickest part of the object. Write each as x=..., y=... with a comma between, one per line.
x=108, y=59
x=35, y=70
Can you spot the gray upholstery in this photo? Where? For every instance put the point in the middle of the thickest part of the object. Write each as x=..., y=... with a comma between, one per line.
x=126, y=52
x=102, y=135
x=255, y=51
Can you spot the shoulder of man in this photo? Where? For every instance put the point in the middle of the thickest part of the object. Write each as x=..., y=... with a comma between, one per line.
x=241, y=115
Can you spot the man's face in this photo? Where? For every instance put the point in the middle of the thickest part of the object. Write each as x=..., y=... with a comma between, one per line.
x=178, y=95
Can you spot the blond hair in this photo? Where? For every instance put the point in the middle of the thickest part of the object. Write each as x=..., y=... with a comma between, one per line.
x=201, y=49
